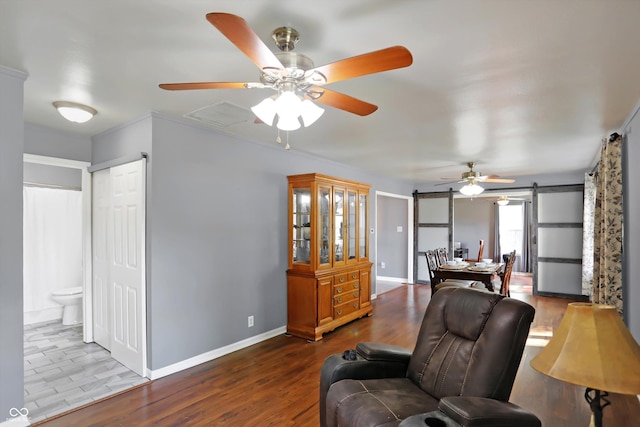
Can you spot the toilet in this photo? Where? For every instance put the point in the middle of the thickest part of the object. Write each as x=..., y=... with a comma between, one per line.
x=71, y=299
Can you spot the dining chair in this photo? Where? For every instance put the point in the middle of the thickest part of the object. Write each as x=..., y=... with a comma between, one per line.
x=506, y=277
x=442, y=256
x=480, y=252
x=432, y=265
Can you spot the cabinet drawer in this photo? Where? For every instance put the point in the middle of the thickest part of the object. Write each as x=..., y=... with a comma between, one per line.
x=346, y=287
x=345, y=297
x=345, y=308
x=342, y=278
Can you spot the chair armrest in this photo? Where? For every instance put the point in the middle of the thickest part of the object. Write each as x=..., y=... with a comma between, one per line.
x=480, y=411
x=385, y=361
x=374, y=351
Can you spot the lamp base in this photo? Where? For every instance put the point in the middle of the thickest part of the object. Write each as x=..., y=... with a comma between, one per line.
x=595, y=405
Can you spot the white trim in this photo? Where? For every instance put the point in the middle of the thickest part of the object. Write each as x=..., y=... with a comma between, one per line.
x=87, y=309
x=12, y=72
x=630, y=117
x=213, y=354
x=393, y=279
x=409, y=200
x=16, y=422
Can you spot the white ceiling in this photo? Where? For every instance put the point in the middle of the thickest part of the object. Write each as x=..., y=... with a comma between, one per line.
x=521, y=87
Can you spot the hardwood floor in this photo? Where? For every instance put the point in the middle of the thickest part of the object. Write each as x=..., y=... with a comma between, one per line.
x=275, y=383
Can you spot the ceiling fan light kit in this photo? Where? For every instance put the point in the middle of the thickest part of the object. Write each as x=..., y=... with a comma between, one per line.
x=471, y=189
x=471, y=179
x=300, y=85
x=503, y=200
x=75, y=112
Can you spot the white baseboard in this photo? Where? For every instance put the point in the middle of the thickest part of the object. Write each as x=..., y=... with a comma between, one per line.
x=19, y=421
x=44, y=315
x=392, y=279
x=213, y=354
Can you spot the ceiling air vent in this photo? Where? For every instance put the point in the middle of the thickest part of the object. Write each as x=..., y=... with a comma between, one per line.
x=222, y=114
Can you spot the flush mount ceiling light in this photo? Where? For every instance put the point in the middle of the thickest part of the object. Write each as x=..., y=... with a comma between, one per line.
x=74, y=112
x=503, y=200
x=472, y=188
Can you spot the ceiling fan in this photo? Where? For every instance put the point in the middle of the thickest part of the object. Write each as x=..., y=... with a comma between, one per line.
x=471, y=179
x=293, y=75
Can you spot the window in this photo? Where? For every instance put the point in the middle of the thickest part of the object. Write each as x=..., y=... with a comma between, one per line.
x=511, y=228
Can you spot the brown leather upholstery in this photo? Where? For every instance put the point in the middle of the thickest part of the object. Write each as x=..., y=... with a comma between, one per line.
x=470, y=344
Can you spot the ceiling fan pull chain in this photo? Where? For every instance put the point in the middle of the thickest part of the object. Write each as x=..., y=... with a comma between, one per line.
x=287, y=147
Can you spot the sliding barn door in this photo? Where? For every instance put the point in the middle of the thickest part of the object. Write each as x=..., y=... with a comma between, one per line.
x=557, y=240
x=433, y=213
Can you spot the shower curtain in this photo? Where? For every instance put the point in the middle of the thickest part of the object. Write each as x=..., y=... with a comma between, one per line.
x=52, y=248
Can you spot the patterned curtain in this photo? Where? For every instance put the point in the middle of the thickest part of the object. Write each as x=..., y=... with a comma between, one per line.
x=590, y=190
x=607, y=263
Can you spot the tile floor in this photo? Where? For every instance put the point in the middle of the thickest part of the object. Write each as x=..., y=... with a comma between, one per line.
x=61, y=372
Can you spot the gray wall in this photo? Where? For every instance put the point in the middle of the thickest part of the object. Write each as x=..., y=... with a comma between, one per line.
x=631, y=272
x=392, y=245
x=35, y=173
x=217, y=231
x=53, y=143
x=473, y=220
x=11, y=304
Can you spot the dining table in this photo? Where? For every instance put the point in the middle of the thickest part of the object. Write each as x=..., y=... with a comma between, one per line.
x=468, y=271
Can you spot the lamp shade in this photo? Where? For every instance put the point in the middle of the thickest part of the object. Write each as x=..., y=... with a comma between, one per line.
x=592, y=348
x=310, y=112
x=265, y=110
x=471, y=189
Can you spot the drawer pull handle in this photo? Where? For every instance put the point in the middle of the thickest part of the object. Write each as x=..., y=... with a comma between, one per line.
x=355, y=294
x=339, y=289
x=353, y=276
x=355, y=305
x=339, y=299
x=339, y=311
x=355, y=286
x=341, y=279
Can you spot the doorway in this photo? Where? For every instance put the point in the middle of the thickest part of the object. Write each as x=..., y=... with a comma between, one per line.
x=393, y=240
x=64, y=367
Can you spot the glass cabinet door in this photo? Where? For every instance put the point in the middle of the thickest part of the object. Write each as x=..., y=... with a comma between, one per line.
x=362, y=224
x=338, y=224
x=301, y=225
x=324, y=198
x=351, y=225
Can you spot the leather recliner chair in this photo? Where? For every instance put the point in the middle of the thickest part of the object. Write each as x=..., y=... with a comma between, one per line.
x=463, y=366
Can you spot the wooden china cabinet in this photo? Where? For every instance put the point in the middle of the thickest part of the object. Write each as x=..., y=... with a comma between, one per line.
x=329, y=275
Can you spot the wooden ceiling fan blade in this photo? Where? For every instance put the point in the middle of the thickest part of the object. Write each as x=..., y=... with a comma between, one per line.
x=344, y=102
x=240, y=34
x=203, y=85
x=387, y=59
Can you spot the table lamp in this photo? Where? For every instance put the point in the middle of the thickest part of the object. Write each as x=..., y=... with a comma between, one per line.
x=593, y=348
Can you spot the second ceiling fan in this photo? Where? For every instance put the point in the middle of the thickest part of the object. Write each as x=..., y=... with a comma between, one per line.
x=293, y=75
x=471, y=178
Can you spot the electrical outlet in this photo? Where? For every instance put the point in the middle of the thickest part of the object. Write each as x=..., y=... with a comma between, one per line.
x=382, y=265
x=250, y=321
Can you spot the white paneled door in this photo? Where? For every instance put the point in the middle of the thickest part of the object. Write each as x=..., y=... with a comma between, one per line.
x=121, y=303
x=101, y=263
